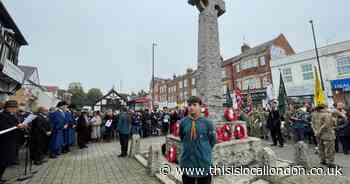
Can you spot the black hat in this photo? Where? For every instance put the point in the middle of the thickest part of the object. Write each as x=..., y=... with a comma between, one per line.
x=194, y=99
x=72, y=106
x=11, y=103
x=62, y=103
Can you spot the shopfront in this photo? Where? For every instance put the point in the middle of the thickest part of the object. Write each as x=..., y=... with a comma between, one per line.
x=341, y=91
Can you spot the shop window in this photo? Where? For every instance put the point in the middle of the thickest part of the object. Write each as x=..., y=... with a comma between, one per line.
x=262, y=61
x=307, y=71
x=249, y=64
x=343, y=65
x=287, y=75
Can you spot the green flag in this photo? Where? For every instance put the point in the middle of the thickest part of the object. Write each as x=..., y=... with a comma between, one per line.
x=228, y=102
x=282, y=97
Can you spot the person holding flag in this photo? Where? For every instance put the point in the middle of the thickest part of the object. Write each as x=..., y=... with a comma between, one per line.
x=319, y=97
x=274, y=118
x=324, y=126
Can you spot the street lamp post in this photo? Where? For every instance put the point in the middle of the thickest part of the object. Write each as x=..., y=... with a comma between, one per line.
x=317, y=55
x=153, y=47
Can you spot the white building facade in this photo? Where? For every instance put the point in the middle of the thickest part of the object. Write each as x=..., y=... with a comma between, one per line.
x=298, y=73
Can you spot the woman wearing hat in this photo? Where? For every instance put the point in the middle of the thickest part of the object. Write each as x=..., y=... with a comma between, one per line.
x=8, y=140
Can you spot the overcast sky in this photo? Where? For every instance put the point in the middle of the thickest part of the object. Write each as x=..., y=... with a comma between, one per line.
x=100, y=43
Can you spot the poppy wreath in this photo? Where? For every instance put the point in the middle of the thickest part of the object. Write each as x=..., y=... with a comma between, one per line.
x=227, y=133
x=219, y=134
x=175, y=129
x=238, y=132
x=171, y=156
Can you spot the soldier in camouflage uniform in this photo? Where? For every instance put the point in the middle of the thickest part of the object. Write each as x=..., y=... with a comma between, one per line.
x=324, y=124
x=265, y=130
x=253, y=123
x=260, y=122
x=288, y=121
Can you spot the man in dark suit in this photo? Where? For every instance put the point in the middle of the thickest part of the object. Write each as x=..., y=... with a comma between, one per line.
x=274, y=125
x=40, y=132
x=8, y=140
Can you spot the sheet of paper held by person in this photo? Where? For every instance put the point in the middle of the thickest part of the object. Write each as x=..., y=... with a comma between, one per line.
x=108, y=123
x=26, y=121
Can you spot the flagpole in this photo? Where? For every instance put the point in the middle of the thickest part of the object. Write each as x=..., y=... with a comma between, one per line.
x=317, y=55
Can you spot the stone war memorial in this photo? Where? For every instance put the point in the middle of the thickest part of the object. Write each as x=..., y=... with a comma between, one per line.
x=232, y=151
x=235, y=148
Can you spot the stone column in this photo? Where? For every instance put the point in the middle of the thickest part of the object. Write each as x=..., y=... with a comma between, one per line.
x=209, y=83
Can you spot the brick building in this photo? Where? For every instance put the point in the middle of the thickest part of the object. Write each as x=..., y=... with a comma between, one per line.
x=158, y=92
x=186, y=86
x=174, y=92
x=251, y=68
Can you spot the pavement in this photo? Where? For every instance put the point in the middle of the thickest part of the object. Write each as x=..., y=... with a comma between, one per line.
x=287, y=153
x=99, y=164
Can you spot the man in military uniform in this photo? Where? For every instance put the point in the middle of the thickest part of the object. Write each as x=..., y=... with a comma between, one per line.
x=265, y=130
x=323, y=125
x=289, y=118
x=256, y=121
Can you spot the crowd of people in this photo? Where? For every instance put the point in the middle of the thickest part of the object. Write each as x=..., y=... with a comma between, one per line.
x=53, y=132
x=326, y=128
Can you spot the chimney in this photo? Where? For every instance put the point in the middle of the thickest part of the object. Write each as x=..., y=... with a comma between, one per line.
x=244, y=47
x=189, y=70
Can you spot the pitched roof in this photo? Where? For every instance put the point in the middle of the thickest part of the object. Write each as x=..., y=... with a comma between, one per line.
x=51, y=88
x=27, y=70
x=254, y=50
x=113, y=91
x=158, y=78
x=8, y=22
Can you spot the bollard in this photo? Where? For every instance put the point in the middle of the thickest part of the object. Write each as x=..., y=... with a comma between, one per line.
x=135, y=146
x=153, y=162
